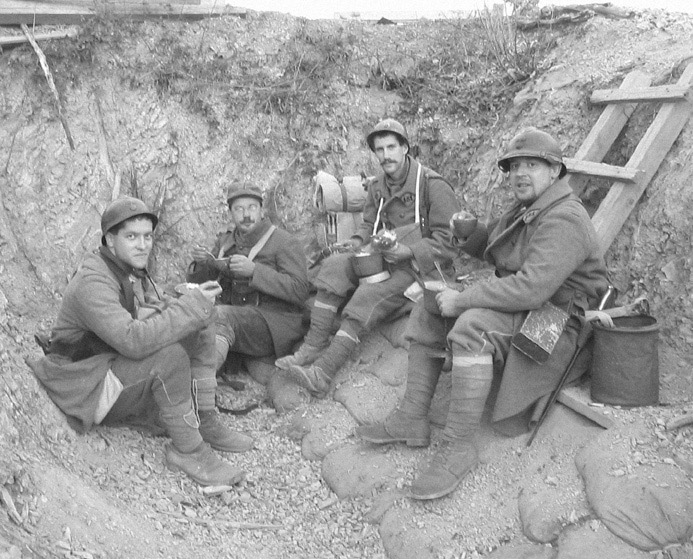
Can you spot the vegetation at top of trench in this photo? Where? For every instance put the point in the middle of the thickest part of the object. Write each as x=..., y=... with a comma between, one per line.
x=471, y=68
x=295, y=72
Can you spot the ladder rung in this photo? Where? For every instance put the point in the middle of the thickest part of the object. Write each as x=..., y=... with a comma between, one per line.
x=602, y=170
x=661, y=93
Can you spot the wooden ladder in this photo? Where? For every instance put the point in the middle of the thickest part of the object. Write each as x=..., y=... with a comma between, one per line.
x=631, y=180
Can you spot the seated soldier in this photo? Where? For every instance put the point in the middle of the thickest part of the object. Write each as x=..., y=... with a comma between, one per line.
x=264, y=278
x=407, y=198
x=544, y=249
x=118, y=347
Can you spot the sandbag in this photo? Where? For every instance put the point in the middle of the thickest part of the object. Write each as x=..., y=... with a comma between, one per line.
x=647, y=514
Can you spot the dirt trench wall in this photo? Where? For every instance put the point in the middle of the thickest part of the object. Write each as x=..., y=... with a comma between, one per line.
x=142, y=129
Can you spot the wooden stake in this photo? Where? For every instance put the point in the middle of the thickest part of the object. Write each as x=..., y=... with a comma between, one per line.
x=51, y=83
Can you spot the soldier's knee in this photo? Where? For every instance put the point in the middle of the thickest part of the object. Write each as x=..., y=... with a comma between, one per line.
x=173, y=362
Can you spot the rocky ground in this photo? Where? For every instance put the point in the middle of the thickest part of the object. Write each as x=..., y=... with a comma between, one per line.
x=145, y=126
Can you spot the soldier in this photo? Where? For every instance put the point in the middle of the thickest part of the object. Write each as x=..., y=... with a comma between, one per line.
x=544, y=248
x=263, y=274
x=407, y=198
x=119, y=347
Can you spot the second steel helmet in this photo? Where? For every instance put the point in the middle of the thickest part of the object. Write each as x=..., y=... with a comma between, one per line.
x=532, y=142
x=121, y=209
x=388, y=126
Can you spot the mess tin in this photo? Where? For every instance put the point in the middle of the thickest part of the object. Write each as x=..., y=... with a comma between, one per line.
x=464, y=224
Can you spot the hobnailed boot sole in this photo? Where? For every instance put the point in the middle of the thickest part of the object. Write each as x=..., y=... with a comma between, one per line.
x=442, y=493
x=444, y=468
x=377, y=434
x=231, y=476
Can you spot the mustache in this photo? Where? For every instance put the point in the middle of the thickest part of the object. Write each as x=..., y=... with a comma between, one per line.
x=248, y=221
x=388, y=161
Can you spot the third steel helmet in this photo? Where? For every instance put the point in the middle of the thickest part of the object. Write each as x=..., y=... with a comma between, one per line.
x=532, y=142
x=388, y=126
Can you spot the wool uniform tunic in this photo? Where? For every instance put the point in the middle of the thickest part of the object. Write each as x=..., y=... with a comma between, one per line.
x=546, y=252
x=280, y=283
x=94, y=328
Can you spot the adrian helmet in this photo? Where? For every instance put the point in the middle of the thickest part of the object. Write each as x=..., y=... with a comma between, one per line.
x=532, y=142
x=388, y=126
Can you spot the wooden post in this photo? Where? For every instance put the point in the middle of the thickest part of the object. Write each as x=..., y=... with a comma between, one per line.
x=607, y=128
x=651, y=151
x=51, y=83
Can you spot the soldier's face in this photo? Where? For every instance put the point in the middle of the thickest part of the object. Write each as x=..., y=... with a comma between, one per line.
x=390, y=153
x=133, y=242
x=246, y=213
x=530, y=177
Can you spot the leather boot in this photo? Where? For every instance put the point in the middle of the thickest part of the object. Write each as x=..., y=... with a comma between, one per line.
x=409, y=422
x=316, y=378
x=189, y=453
x=472, y=376
x=219, y=436
x=203, y=466
x=399, y=427
x=453, y=461
x=305, y=355
x=322, y=317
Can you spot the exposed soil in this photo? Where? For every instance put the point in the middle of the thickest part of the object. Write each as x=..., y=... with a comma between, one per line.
x=172, y=111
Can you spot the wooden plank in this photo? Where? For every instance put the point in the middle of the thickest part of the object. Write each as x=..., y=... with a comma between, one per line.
x=20, y=39
x=568, y=399
x=607, y=128
x=660, y=94
x=651, y=151
x=13, y=12
x=602, y=170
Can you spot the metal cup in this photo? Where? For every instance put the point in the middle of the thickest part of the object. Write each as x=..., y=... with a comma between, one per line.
x=464, y=224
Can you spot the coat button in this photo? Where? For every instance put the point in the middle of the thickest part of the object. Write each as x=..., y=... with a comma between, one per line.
x=401, y=216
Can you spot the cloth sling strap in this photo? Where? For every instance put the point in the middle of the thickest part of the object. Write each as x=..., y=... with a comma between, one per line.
x=261, y=243
x=257, y=247
x=417, y=209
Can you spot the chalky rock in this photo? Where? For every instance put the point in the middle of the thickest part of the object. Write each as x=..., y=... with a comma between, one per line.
x=524, y=551
x=538, y=515
x=353, y=471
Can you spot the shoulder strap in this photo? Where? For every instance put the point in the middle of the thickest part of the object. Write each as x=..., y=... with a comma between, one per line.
x=261, y=242
x=423, y=203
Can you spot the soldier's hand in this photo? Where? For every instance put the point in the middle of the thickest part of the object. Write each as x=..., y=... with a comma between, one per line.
x=447, y=302
x=200, y=254
x=354, y=243
x=241, y=266
x=397, y=253
x=210, y=289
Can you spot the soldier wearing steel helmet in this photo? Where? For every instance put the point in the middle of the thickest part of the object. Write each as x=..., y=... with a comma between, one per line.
x=544, y=249
x=120, y=349
x=408, y=199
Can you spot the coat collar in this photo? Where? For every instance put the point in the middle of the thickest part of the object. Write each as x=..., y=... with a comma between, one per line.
x=108, y=256
x=517, y=216
x=237, y=238
x=559, y=189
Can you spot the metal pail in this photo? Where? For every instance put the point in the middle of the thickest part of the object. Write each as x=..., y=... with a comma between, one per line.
x=625, y=362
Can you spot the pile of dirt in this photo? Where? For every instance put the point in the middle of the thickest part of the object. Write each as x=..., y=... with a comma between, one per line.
x=173, y=111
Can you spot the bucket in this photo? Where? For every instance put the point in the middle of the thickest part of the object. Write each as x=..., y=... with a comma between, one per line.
x=625, y=362
x=431, y=289
x=366, y=264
